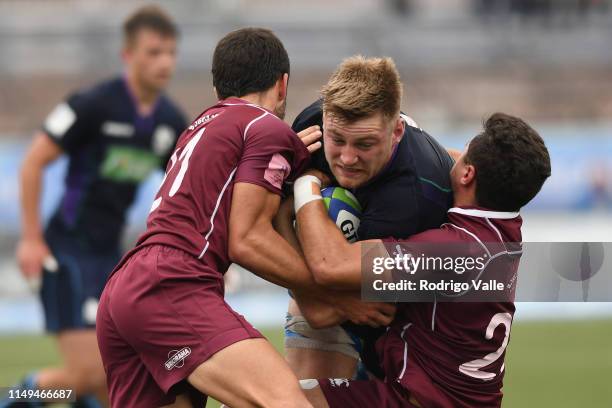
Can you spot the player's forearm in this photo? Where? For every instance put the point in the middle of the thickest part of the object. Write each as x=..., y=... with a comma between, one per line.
x=264, y=252
x=30, y=187
x=283, y=224
x=333, y=261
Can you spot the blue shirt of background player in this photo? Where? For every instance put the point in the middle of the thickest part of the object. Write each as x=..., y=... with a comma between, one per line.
x=111, y=149
x=410, y=195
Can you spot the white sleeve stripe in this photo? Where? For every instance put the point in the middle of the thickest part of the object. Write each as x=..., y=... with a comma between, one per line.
x=251, y=122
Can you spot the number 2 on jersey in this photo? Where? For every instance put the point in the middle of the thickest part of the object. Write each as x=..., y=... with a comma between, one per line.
x=473, y=368
x=178, y=180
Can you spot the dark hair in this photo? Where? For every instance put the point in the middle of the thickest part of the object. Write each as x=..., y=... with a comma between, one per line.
x=248, y=60
x=511, y=162
x=150, y=17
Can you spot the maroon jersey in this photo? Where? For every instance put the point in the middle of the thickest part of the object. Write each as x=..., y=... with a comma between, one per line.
x=452, y=354
x=233, y=141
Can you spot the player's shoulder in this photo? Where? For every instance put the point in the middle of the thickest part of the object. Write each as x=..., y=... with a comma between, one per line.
x=430, y=158
x=310, y=116
x=107, y=87
x=96, y=95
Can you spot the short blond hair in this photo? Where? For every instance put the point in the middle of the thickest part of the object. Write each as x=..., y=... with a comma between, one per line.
x=363, y=86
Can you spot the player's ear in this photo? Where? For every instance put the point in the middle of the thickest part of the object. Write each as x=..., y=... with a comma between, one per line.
x=469, y=175
x=125, y=54
x=283, y=83
x=398, y=129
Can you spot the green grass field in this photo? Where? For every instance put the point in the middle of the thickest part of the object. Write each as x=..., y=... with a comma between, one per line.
x=560, y=364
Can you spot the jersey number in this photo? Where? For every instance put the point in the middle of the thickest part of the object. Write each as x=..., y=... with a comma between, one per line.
x=473, y=368
x=184, y=160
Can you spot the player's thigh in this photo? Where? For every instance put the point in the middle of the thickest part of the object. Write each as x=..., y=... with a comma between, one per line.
x=249, y=373
x=318, y=353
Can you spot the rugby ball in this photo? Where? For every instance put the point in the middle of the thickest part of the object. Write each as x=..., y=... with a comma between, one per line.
x=344, y=209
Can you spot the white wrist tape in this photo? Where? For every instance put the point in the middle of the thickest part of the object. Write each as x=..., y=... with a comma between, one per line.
x=302, y=191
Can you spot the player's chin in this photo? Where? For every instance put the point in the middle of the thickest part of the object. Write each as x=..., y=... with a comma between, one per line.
x=160, y=82
x=350, y=182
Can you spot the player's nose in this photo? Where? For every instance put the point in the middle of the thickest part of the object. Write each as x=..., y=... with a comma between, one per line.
x=348, y=156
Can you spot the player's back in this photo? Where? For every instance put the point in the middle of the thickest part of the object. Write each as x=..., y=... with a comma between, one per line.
x=233, y=141
x=451, y=353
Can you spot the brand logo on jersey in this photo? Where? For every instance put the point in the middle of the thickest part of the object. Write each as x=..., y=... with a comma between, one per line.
x=339, y=382
x=176, y=358
x=163, y=139
x=117, y=129
x=202, y=120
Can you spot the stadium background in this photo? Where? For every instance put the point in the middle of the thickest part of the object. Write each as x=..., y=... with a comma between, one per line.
x=549, y=62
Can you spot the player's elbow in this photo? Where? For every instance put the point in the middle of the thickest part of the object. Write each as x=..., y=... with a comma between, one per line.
x=242, y=247
x=239, y=250
x=323, y=272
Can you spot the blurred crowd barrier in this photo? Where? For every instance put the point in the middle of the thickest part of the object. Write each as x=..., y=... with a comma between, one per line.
x=459, y=59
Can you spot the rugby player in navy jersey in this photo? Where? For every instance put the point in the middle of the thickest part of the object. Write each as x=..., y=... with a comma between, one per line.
x=114, y=134
x=439, y=354
x=400, y=176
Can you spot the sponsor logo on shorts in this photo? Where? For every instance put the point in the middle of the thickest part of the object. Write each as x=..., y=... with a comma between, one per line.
x=339, y=382
x=176, y=358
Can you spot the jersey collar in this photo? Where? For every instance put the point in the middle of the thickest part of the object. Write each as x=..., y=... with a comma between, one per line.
x=235, y=101
x=474, y=212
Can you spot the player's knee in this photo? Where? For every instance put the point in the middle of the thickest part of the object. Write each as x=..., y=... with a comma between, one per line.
x=88, y=380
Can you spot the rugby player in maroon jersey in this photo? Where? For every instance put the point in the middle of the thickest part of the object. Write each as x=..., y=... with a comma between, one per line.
x=166, y=335
x=440, y=354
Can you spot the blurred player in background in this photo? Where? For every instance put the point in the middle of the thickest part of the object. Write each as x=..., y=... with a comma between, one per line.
x=442, y=354
x=398, y=173
x=114, y=134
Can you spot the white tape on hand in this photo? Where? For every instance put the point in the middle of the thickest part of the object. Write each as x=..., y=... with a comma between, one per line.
x=303, y=191
x=50, y=264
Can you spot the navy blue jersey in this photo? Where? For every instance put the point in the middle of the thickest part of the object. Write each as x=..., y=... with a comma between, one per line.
x=410, y=195
x=111, y=149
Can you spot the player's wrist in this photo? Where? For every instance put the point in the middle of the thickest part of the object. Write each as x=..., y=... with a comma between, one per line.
x=306, y=189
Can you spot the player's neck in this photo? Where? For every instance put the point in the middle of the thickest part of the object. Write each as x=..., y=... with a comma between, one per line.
x=262, y=99
x=466, y=198
x=144, y=97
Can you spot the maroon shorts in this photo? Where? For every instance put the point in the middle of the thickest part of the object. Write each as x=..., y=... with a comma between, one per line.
x=343, y=393
x=161, y=315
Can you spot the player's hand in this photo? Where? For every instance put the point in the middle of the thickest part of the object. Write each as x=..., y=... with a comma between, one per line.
x=310, y=137
x=325, y=179
x=32, y=254
x=372, y=314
